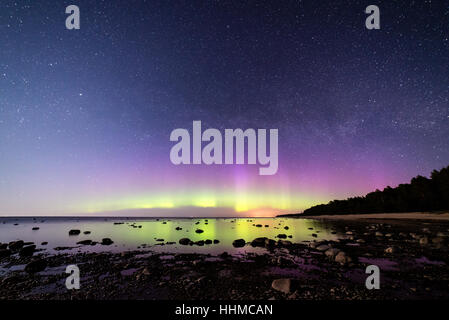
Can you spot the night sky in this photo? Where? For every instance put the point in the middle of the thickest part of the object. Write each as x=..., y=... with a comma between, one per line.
x=86, y=115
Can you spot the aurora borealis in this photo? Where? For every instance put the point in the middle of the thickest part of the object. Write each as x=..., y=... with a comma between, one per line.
x=86, y=115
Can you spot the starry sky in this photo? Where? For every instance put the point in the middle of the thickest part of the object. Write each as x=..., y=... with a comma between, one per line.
x=86, y=115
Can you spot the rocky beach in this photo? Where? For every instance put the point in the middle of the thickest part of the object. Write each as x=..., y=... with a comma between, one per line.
x=413, y=257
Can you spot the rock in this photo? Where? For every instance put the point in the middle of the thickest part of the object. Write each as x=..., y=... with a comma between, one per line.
x=15, y=246
x=146, y=272
x=106, y=241
x=86, y=232
x=74, y=232
x=36, y=266
x=27, y=251
x=239, y=243
x=294, y=296
x=216, y=241
x=438, y=240
x=160, y=240
x=5, y=253
x=390, y=250
x=224, y=273
x=259, y=242
x=332, y=252
x=284, y=243
x=342, y=258
x=178, y=228
x=3, y=246
x=44, y=243
x=208, y=241
x=199, y=243
x=85, y=242
x=322, y=247
x=269, y=243
x=224, y=255
x=314, y=235
x=286, y=227
x=282, y=261
x=184, y=241
x=423, y=241
x=282, y=236
x=35, y=228
x=282, y=285
x=199, y=231
x=258, y=225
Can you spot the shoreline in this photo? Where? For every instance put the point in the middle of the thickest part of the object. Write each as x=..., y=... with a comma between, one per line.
x=444, y=216
x=413, y=259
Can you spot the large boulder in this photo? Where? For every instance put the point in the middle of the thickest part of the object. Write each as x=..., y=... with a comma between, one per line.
x=322, y=248
x=332, y=252
x=239, y=243
x=15, y=246
x=284, y=243
x=74, y=232
x=106, y=242
x=36, y=266
x=27, y=251
x=184, y=241
x=269, y=243
x=282, y=285
x=282, y=236
x=342, y=258
x=4, y=253
x=199, y=243
x=259, y=242
x=85, y=242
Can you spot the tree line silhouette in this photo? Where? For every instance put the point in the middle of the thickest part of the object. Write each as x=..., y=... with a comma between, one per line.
x=421, y=194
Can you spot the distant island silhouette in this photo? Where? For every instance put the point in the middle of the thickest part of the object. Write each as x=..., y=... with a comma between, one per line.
x=421, y=194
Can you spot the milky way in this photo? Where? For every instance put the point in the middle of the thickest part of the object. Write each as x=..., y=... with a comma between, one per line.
x=86, y=115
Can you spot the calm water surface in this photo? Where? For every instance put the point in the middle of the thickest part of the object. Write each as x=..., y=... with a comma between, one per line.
x=128, y=235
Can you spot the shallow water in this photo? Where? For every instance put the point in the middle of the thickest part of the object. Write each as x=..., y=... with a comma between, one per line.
x=126, y=237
